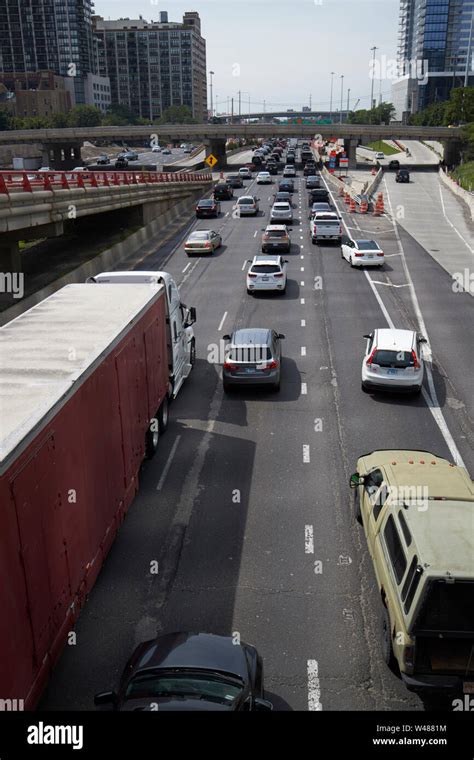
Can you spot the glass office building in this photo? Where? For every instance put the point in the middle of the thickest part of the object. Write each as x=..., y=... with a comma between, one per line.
x=435, y=47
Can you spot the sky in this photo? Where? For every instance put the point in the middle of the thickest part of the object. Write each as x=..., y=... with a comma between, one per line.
x=283, y=51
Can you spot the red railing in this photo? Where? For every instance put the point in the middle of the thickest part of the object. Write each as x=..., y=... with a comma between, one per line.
x=24, y=181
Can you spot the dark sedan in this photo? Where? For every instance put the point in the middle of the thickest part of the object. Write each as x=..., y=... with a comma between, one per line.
x=286, y=185
x=223, y=192
x=312, y=182
x=190, y=671
x=318, y=195
x=234, y=180
x=394, y=164
x=207, y=207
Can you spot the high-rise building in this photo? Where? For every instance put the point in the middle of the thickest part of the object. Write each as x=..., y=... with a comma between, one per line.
x=154, y=64
x=435, y=52
x=53, y=35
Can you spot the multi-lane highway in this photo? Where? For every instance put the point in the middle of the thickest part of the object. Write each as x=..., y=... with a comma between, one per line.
x=246, y=506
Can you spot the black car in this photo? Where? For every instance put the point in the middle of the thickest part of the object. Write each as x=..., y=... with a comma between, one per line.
x=286, y=185
x=394, y=164
x=223, y=192
x=271, y=167
x=318, y=194
x=403, y=175
x=190, y=671
x=283, y=197
x=102, y=160
x=317, y=208
x=234, y=180
x=290, y=158
x=121, y=163
x=309, y=169
x=207, y=207
x=312, y=182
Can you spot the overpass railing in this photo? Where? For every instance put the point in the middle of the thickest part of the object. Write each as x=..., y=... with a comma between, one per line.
x=29, y=181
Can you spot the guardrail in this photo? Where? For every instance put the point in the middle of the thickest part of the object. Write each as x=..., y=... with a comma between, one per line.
x=28, y=181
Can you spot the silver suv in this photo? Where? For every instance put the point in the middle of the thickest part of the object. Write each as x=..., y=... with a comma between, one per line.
x=252, y=357
x=281, y=213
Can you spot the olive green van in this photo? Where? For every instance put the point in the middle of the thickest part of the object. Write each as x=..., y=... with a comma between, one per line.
x=417, y=511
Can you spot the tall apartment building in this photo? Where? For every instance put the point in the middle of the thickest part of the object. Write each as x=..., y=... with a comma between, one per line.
x=52, y=35
x=435, y=50
x=154, y=64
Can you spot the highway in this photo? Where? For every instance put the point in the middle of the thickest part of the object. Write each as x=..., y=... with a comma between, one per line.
x=248, y=493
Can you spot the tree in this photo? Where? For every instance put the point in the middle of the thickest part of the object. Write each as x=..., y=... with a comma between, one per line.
x=460, y=106
x=177, y=115
x=5, y=120
x=119, y=115
x=381, y=114
x=59, y=120
x=84, y=116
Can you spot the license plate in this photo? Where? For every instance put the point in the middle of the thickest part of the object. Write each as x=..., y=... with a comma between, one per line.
x=249, y=370
x=265, y=279
x=370, y=256
x=468, y=687
x=392, y=371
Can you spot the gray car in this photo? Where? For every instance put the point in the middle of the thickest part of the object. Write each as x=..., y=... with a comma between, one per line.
x=252, y=357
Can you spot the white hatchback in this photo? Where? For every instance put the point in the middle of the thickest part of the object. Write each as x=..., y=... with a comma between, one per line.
x=264, y=178
x=393, y=361
x=248, y=205
x=267, y=273
x=362, y=253
x=289, y=171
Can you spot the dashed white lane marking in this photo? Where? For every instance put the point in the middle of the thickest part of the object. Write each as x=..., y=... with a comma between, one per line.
x=244, y=265
x=302, y=256
x=314, y=688
x=303, y=323
x=168, y=463
x=450, y=222
x=186, y=267
x=302, y=283
x=301, y=269
x=391, y=284
x=226, y=213
x=306, y=456
x=308, y=539
x=222, y=321
x=255, y=233
x=302, y=301
x=304, y=389
x=303, y=350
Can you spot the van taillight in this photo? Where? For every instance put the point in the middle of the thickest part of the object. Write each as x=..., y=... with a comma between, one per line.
x=251, y=274
x=415, y=360
x=371, y=358
x=278, y=274
x=229, y=365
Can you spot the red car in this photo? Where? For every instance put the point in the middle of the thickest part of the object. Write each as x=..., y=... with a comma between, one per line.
x=207, y=207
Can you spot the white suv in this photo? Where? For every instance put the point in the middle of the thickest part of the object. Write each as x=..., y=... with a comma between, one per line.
x=267, y=273
x=281, y=213
x=393, y=361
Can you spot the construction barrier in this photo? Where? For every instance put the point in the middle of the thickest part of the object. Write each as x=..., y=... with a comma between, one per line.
x=347, y=198
x=379, y=206
x=352, y=206
x=364, y=205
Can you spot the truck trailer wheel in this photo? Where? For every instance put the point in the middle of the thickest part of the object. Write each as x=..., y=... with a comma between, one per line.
x=152, y=438
x=163, y=415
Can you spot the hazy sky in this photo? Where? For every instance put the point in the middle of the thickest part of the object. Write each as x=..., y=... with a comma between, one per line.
x=284, y=50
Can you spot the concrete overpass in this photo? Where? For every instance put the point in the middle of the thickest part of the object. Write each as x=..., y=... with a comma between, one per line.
x=61, y=147
x=45, y=204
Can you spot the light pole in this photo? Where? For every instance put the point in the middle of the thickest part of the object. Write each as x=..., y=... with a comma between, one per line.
x=374, y=48
x=244, y=92
x=212, y=106
x=348, y=96
x=342, y=94
x=330, y=107
x=468, y=56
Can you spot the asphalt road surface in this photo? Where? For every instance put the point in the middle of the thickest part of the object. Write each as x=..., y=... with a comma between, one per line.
x=248, y=492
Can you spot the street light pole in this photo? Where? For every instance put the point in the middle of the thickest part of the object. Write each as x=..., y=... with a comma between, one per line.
x=374, y=48
x=212, y=105
x=468, y=57
x=348, y=95
x=330, y=107
x=342, y=94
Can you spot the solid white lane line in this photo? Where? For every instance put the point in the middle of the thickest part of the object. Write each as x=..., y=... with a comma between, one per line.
x=222, y=321
x=450, y=222
x=308, y=539
x=306, y=457
x=304, y=389
x=303, y=350
x=186, y=267
x=168, y=463
x=379, y=300
x=314, y=688
x=303, y=323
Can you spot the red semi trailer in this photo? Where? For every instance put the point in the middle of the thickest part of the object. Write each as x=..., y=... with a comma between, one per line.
x=84, y=376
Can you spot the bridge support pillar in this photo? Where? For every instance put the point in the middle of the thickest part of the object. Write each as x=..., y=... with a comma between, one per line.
x=350, y=146
x=62, y=155
x=216, y=146
x=10, y=258
x=452, y=152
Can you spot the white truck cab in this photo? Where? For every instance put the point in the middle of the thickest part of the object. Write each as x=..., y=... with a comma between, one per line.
x=180, y=318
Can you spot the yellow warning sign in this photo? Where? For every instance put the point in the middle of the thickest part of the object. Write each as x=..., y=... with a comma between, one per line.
x=211, y=160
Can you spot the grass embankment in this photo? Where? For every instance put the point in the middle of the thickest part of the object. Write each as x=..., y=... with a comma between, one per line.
x=389, y=150
x=465, y=175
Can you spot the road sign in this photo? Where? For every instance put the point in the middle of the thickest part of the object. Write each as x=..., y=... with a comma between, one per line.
x=344, y=162
x=211, y=160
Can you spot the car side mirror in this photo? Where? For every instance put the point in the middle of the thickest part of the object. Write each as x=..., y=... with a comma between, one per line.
x=281, y=336
x=422, y=339
x=285, y=261
x=249, y=261
x=262, y=705
x=191, y=318
x=226, y=337
x=355, y=480
x=105, y=698
x=367, y=336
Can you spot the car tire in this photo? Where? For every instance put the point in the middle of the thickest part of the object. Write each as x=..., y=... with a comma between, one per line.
x=314, y=241
x=357, y=512
x=386, y=640
x=276, y=387
x=152, y=439
x=192, y=353
x=250, y=292
x=351, y=262
x=417, y=391
x=226, y=387
x=163, y=415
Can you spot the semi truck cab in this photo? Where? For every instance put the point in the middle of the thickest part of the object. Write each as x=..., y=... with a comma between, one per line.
x=180, y=319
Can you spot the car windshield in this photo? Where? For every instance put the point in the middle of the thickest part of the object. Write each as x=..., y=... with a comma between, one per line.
x=447, y=607
x=265, y=268
x=282, y=197
x=199, y=236
x=367, y=245
x=398, y=359
x=276, y=233
x=206, y=203
x=245, y=201
x=281, y=207
x=187, y=684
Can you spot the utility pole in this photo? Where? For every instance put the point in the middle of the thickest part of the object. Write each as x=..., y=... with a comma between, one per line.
x=212, y=107
x=348, y=95
x=232, y=112
x=240, y=105
x=310, y=102
x=330, y=107
x=342, y=94
x=374, y=48
x=468, y=57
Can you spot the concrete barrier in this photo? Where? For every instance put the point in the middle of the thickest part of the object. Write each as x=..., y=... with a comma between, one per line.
x=465, y=195
x=109, y=258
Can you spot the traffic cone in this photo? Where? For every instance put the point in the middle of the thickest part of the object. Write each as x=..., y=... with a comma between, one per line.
x=352, y=206
x=381, y=203
x=364, y=206
x=347, y=198
x=341, y=191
